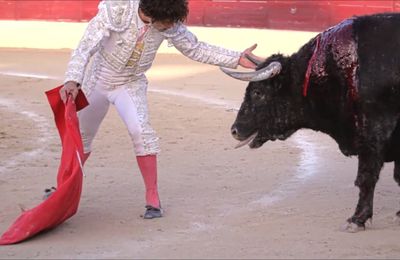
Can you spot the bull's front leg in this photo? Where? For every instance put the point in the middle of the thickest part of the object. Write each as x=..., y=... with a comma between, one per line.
x=369, y=167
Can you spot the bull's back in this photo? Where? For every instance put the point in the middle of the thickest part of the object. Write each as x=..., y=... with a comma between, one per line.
x=378, y=48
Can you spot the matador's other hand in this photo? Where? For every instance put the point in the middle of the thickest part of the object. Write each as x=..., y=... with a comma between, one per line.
x=248, y=59
x=69, y=88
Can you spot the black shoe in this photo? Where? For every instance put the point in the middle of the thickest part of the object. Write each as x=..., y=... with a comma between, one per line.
x=152, y=212
x=48, y=192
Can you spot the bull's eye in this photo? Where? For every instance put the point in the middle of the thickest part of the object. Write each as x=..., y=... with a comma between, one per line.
x=256, y=93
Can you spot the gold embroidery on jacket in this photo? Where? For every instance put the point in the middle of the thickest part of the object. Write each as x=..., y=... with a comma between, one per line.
x=136, y=54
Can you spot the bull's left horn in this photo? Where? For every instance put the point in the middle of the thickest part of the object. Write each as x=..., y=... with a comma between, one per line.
x=265, y=73
x=253, y=60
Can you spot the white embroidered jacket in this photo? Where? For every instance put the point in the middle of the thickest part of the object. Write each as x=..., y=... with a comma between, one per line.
x=111, y=37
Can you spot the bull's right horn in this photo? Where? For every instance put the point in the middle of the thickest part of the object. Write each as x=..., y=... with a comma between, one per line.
x=265, y=73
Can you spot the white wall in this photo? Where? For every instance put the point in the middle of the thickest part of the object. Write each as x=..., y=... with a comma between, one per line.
x=60, y=35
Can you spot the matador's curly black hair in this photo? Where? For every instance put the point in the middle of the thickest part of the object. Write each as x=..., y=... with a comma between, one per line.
x=165, y=10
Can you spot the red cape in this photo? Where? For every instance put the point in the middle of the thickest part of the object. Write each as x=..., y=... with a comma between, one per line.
x=63, y=203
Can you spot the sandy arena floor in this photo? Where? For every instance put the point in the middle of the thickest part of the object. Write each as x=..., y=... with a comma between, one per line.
x=285, y=200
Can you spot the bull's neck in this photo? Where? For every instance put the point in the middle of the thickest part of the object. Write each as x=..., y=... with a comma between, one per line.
x=298, y=64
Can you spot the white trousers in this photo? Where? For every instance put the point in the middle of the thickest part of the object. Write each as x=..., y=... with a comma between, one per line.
x=130, y=100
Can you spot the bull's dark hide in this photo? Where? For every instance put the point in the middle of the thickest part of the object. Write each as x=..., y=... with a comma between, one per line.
x=350, y=92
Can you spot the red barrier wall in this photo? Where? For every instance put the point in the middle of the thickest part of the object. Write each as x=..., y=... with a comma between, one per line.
x=298, y=15
x=295, y=15
x=52, y=10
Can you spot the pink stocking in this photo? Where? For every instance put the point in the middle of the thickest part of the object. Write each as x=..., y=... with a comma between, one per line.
x=148, y=168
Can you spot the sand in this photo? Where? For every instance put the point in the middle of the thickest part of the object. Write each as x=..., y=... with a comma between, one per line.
x=285, y=200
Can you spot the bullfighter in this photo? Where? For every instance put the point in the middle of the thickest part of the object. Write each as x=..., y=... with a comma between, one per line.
x=121, y=42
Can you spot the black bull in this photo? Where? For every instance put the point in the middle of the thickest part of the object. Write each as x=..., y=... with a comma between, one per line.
x=345, y=82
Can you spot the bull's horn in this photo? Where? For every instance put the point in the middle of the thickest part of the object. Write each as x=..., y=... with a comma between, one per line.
x=268, y=72
x=253, y=60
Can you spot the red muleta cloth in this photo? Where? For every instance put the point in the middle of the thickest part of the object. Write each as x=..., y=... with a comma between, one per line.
x=63, y=203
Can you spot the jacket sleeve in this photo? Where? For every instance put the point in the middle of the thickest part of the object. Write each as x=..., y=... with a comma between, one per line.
x=89, y=43
x=187, y=43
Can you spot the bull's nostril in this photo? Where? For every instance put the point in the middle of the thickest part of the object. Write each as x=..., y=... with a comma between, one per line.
x=234, y=131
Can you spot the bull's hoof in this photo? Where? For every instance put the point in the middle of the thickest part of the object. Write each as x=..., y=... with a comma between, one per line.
x=352, y=227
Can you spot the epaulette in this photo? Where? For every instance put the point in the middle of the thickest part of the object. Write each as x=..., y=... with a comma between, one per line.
x=119, y=14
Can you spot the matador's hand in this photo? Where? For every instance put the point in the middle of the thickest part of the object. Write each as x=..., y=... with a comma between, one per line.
x=69, y=88
x=248, y=59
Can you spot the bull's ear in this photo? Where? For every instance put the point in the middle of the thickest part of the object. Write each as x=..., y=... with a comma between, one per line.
x=265, y=73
